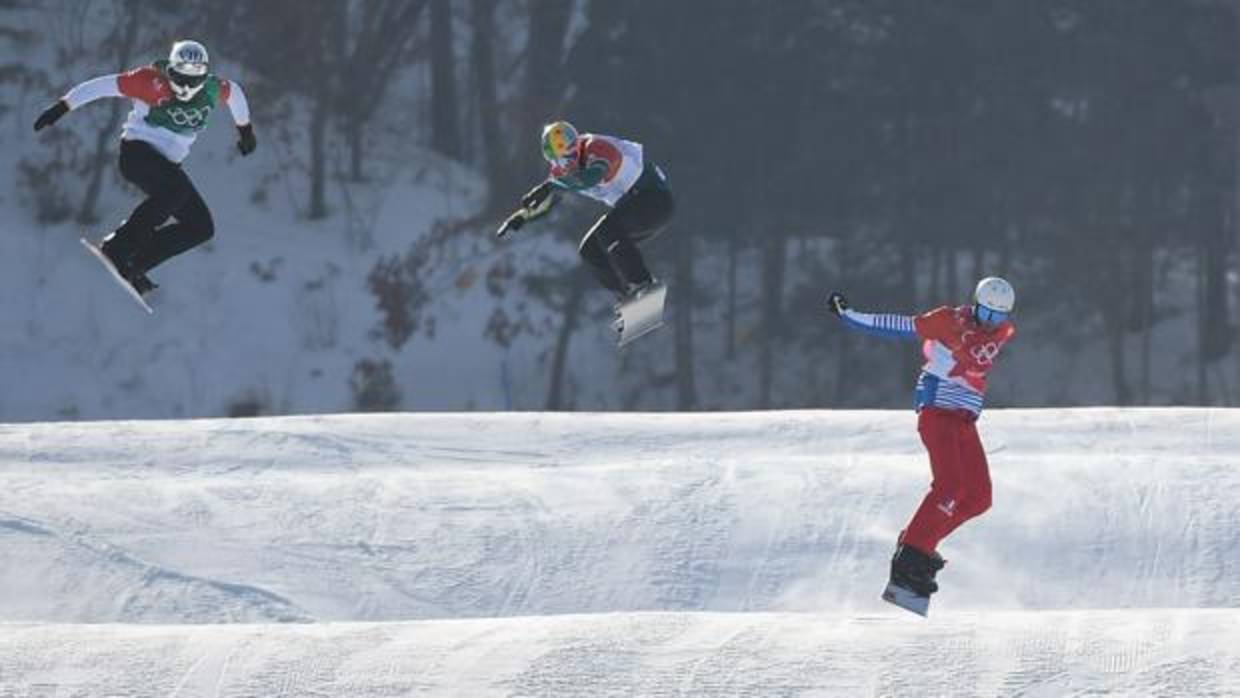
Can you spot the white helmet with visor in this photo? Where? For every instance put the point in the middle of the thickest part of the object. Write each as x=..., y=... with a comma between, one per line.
x=187, y=69
x=993, y=300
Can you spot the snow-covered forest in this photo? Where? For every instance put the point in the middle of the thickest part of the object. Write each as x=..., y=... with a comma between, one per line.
x=896, y=151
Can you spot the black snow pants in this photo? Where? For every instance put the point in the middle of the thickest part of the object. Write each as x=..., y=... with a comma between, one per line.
x=610, y=246
x=145, y=240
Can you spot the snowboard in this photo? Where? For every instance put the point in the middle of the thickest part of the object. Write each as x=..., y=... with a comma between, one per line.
x=116, y=275
x=641, y=315
x=906, y=599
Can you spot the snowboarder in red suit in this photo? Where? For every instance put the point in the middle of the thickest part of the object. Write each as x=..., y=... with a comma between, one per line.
x=961, y=346
x=172, y=102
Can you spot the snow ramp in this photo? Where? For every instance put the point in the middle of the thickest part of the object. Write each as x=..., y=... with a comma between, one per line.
x=612, y=554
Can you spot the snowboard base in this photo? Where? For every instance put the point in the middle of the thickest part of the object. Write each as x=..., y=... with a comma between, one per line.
x=906, y=599
x=642, y=315
x=116, y=275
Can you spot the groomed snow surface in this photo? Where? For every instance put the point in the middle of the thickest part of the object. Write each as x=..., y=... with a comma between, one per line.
x=533, y=554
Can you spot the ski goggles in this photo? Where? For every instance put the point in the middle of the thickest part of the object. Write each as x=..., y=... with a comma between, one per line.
x=182, y=80
x=989, y=316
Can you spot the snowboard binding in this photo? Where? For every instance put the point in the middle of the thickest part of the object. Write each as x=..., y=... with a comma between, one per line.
x=641, y=312
x=913, y=579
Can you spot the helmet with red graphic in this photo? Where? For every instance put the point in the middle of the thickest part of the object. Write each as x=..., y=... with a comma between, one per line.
x=187, y=69
x=559, y=141
x=993, y=300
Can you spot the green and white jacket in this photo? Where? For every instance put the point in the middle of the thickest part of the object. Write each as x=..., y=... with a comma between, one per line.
x=158, y=117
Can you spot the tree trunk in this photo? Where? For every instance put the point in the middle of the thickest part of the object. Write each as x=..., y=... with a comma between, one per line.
x=1231, y=155
x=1147, y=263
x=483, y=60
x=1119, y=369
x=1216, y=337
x=908, y=274
x=445, y=115
x=101, y=161
x=357, y=149
x=559, y=358
x=953, y=276
x=773, y=263
x=843, y=361
x=545, y=52
x=686, y=390
x=318, y=157
x=544, y=77
x=729, y=324
x=1005, y=254
x=1147, y=337
x=979, y=265
x=372, y=46
x=1203, y=388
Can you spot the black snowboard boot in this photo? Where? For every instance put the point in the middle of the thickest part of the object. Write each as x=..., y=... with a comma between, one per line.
x=121, y=259
x=125, y=266
x=142, y=283
x=915, y=570
x=629, y=266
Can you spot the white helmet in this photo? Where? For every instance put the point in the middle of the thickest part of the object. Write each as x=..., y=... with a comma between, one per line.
x=996, y=294
x=993, y=300
x=187, y=68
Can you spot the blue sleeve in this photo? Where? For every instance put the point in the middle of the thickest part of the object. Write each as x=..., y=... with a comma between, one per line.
x=887, y=325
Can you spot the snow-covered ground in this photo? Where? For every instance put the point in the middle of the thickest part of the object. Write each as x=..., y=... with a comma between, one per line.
x=1148, y=652
x=274, y=313
x=612, y=554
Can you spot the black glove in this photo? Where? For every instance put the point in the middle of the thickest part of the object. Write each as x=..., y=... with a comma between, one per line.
x=246, y=142
x=836, y=303
x=536, y=196
x=51, y=115
x=513, y=222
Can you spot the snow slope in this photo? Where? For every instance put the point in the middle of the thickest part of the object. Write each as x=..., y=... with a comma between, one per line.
x=275, y=313
x=612, y=554
x=1184, y=652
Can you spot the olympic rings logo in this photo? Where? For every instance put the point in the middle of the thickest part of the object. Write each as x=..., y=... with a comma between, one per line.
x=193, y=117
x=984, y=354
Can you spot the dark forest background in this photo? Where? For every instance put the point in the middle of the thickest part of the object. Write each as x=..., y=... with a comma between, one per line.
x=895, y=149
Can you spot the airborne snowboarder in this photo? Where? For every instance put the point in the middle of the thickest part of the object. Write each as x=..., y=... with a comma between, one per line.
x=960, y=346
x=615, y=172
x=172, y=102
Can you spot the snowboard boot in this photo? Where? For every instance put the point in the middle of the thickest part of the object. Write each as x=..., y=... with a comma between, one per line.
x=915, y=570
x=637, y=290
x=122, y=261
x=626, y=260
x=124, y=264
x=142, y=283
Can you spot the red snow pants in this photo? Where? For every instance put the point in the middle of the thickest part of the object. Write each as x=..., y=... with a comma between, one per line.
x=960, y=488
